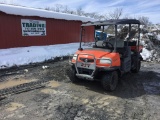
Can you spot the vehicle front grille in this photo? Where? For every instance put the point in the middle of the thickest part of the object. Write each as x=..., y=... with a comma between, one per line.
x=87, y=60
x=85, y=71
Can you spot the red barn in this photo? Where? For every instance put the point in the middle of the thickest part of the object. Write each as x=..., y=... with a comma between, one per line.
x=22, y=26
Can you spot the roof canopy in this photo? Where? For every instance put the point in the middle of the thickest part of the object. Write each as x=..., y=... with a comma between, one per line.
x=24, y=11
x=113, y=22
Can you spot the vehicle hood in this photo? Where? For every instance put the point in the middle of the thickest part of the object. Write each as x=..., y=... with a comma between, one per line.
x=98, y=53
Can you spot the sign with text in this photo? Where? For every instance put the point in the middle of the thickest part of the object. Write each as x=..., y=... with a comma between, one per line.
x=33, y=27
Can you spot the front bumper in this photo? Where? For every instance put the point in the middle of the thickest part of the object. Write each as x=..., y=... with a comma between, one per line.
x=89, y=74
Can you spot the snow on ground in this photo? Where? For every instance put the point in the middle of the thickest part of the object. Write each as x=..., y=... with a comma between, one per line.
x=25, y=55
x=158, y=37
x=151, y=49
x=145, y=54
x=24, y=11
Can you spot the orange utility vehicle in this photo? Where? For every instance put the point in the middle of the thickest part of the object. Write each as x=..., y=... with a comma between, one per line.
x=108, y=59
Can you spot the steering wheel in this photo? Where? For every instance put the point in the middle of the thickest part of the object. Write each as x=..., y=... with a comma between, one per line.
x=107, y=45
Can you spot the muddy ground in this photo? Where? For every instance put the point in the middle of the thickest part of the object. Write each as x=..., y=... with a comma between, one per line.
x=137, y=96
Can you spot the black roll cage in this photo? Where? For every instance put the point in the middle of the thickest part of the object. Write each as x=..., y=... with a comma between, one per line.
x=115, y=23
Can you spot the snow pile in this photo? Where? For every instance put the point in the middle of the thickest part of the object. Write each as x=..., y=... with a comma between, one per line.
x=158, y=37
x=24, y=11
x=151, y=51
x=34, y=54
x=145, y=54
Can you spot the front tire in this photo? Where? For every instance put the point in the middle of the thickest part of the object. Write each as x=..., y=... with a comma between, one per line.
x=72, y=75
x=110, y=81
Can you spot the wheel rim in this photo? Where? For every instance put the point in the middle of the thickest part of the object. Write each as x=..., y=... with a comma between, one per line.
x=113, y=82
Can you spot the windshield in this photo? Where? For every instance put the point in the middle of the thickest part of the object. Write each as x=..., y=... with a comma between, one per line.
x=104, y=36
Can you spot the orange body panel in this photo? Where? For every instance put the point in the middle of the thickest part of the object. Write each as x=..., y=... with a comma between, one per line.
x=134, y=48
x=98, y=54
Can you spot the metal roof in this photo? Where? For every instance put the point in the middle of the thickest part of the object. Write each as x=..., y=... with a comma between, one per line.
x=112, y=22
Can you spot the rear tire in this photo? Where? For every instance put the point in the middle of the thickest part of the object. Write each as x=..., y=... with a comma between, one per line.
x=110, y=81
x=72, y=75
x=137, y=68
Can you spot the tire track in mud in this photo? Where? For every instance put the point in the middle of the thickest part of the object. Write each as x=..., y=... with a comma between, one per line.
x=22, y=88
x=43, y=76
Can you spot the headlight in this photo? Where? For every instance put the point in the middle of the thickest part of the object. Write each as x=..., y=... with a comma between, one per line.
x=105, y=60
x=74, y=57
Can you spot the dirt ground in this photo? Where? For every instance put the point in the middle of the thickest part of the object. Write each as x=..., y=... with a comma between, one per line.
x=137, y=96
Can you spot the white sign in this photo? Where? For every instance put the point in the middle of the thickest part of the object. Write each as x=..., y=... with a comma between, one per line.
x=33, y=27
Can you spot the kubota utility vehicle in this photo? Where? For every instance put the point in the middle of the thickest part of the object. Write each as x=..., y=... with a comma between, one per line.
x=108, y=59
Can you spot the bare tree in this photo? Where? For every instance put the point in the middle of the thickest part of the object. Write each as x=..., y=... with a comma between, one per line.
x=115, y=14
x=65, y=9
x=80, y=12
x=144, y=20
x=92, y=15
x=101, y=17
x=50, y=8
x=72, y=12
x=47, y=8
x=10, y=2
x=86, y=14
x=58, y=7
x=127, y=16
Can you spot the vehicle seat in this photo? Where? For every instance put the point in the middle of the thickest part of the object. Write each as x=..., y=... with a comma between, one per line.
x=99, y=43
x=120, y=45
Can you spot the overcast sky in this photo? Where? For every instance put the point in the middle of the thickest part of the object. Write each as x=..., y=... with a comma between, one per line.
x=148, y=8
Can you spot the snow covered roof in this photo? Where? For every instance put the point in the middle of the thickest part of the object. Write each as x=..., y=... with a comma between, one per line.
x=24, y=11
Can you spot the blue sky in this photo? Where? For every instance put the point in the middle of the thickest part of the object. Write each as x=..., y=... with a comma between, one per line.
x=148, y=8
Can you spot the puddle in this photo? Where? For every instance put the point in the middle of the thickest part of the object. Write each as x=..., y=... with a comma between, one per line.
x=109, y=98
x=99, y=102
x=106, y=100
x=14, y=106
x=85, y=101
x=151, y=88
x=47, y=91
x=12, y=83
x=53, y=84
x=106, y=103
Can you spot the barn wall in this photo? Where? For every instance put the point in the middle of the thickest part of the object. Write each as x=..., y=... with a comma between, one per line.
x=58, y=32
x=88, y=34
